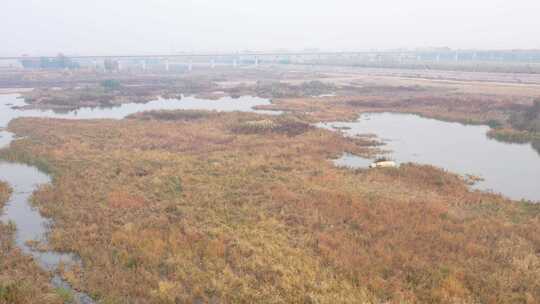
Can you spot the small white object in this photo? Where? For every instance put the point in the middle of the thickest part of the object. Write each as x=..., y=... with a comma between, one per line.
x=384, y=164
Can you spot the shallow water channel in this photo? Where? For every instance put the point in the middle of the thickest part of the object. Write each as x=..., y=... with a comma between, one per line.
x=510, y=169
x=25, y=179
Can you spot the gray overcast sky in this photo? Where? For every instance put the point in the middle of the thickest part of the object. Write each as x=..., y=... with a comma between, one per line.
x=39, y=27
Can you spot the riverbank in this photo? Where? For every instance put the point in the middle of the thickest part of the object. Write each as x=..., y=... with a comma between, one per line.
x=200, y=209
x=320, y=93
x=32, y=226
x=510, y=120
x=187, y=206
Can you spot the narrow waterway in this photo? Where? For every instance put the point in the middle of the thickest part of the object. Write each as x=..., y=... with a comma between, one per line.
x=24, y=179
x=510, y=169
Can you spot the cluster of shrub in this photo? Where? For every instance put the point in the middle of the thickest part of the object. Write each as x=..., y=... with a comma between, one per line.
x=525, y=127
x=528, y=119
x=282, y=90
x=284, y=125
x=181, y=115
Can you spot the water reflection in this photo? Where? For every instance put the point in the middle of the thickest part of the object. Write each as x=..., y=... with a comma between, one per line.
x=30, y=224
x=10, y=108
x=24, y=180
x=510, y=169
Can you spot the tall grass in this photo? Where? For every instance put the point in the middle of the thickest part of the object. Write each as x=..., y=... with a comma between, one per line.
x=181, y=211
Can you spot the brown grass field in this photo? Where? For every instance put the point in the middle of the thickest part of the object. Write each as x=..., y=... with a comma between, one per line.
x=184, y=207
x=208, y=207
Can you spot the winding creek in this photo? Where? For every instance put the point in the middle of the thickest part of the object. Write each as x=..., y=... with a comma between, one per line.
x=24, y=179
x=511, y=169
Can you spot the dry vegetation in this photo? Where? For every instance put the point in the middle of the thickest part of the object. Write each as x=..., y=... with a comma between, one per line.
x=297, y=91
x=277, y=89
x=112, y=92
x=190, y=207
x=197, y=206
x=67, y=90
x=512, y=119
x=431, y=102
x=21, y=280
x=525, y=126
x=185, y=115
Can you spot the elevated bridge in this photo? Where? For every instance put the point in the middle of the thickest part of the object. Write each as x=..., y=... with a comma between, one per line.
x=511, y=59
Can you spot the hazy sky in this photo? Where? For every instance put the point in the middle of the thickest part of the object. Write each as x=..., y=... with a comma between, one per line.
x=39, y=27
